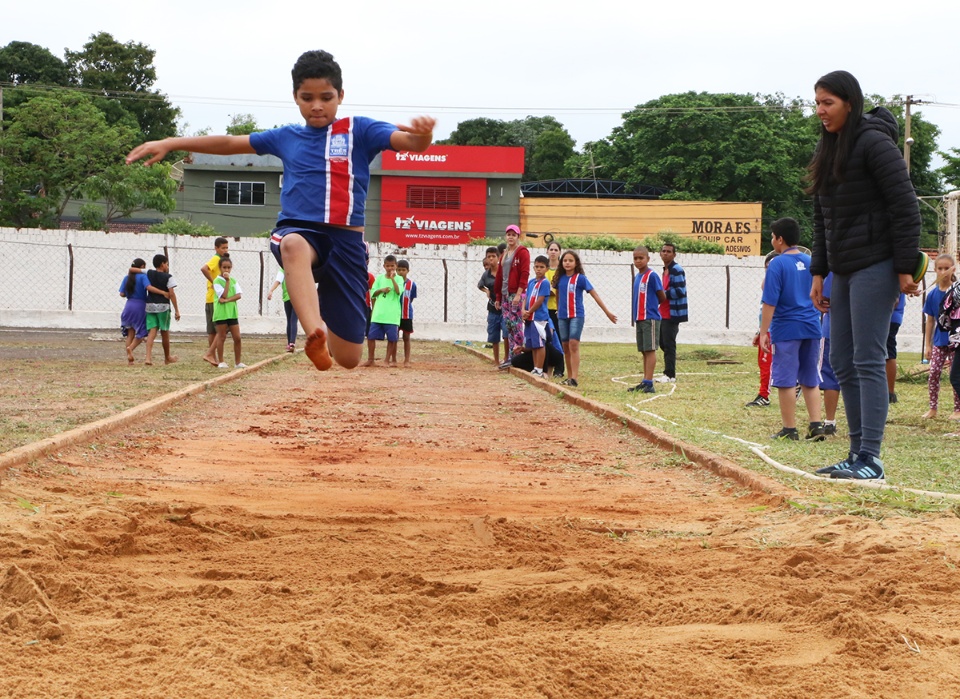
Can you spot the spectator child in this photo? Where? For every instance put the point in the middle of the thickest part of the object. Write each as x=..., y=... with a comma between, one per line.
x=133, y=319
x=568, y=287
x=160, y=296
x=326, y=172
x=764, y=357
x=896, y=319
x=828, y=379
x=385, y=319
x=673, y=311
x=487, y=286
x=210, y=271
x=281, y=281
x=553, y=358
x=553, y=270
x=937, y=348
x=406, y=310
x=227, y=292
x=794, y=327
x=535, y=315
x=647, y=297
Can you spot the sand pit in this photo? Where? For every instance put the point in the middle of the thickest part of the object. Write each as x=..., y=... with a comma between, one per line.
x=445, y=531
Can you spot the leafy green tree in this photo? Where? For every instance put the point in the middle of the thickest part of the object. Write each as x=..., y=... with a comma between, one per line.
x=951, y=171
x=23, y=63
x=127, y=189
x=242, y=125
x=480, y=132
x=55, y=143
x=123, y=75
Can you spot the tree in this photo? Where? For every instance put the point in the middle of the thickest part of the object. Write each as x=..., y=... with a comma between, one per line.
x=55, y=143
x=23, y=63
x=126, y=189
x=528, y=133
x=951, y=171
x=123, y=74
x=242, y=125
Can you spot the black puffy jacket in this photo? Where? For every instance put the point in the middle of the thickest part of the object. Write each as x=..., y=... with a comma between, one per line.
x=873, y=214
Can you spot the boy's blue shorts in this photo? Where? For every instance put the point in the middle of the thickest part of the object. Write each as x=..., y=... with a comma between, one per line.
x=828, y=380
x=796, y=362
x=383, y=331
x=340, y=272
x=494, y=327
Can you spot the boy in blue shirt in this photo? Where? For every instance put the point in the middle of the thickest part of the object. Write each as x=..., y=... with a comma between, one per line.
x=648, y=294
x=536, y=316
x=794, y=325
x=326, y=171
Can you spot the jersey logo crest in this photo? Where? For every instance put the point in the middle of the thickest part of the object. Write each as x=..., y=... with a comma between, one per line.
x=339, y=147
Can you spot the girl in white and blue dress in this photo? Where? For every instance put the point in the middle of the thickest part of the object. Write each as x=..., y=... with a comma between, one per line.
x=570, y=283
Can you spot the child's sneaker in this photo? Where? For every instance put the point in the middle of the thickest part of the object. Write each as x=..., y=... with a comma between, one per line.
x=815, y=432
x=538, y=373
x=558, y=375
x=643, y=387
x=844, y=465
x=830, y=429
x=758, y=402
x=787, y=433
x=223, y=365
x=505, y=365
x=291, y=347
x=867, y=468
x=666, y=379
x=241, y=365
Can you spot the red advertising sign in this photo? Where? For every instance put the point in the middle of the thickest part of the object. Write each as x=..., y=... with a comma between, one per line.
x=437, y=210
x=494, y=159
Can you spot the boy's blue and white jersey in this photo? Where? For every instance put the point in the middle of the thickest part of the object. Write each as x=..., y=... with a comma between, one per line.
x=786, y=287
x=326, y=171
x=538, y=288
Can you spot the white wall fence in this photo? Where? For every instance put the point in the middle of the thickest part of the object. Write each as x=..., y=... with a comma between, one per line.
x=70, y=280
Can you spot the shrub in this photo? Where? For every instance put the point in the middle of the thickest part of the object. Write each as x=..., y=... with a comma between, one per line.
x=181, y=226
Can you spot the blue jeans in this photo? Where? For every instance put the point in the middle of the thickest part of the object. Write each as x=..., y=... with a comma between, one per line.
x=861, y=304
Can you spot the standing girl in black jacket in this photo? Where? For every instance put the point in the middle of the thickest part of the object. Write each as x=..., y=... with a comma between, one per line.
x=867, y=232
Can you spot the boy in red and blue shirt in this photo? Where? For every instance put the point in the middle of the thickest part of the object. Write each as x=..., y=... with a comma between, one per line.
x=407, y=296
x=647, y=296
x=319, y=235
x=536, y=316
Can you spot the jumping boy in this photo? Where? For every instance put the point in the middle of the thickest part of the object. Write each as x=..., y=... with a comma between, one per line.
x=647, y=296
x=211, y=270
x=794, y=331
x=406, y=309
x=536, y=315
x=386, y=295
x=326, y=171
x=158, y=307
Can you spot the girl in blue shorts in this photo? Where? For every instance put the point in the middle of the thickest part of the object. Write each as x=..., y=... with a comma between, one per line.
x=570, y=283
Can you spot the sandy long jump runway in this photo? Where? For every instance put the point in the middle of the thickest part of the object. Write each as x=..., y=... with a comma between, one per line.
x=445, y=531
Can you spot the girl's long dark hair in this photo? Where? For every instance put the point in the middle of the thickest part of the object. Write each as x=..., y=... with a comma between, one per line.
x=577, y=267
x=132, y=276
x=829, y=161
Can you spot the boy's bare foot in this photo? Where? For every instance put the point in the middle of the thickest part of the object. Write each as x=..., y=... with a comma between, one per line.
x=148, y=362
x=172, y=359
x=392, y=365
x=210, y=360
x=316, y=350
x=930, y=414
x=369, y=362
x=406, y=365
x=130, y=359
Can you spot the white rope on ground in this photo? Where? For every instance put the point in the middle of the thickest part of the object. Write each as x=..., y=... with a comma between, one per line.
x=657, y=417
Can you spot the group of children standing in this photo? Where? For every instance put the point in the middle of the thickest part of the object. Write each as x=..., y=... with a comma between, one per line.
x=390, y=311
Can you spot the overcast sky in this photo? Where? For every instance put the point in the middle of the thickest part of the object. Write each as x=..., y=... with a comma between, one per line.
x=584, y=63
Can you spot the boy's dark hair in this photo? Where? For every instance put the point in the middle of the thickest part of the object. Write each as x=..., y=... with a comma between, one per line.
x=158, y=260
x=786, y=228
x=317, y=64
x=403, y=264
x=225, y=257
x=389, y=258
x=542, y=259
x=673, y=248
x=491, y=250
x=501, y=247
x=220, y=241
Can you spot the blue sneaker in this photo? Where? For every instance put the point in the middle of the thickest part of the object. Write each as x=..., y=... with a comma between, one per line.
x=867, y=468
x=845, y=465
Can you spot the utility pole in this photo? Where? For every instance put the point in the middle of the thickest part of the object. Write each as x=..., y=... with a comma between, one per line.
x=907, y=138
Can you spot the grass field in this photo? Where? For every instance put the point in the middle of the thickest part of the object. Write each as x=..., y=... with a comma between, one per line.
x=57, y=381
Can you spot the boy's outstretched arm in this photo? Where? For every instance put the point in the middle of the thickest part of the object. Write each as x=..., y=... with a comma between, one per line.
x=416, y=137
x=214, y=145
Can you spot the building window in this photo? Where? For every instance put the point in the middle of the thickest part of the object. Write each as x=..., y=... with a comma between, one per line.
x=239, y=193
x=420, y=197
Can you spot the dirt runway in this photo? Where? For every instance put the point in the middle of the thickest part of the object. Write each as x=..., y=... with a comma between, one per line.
x=446, y=531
